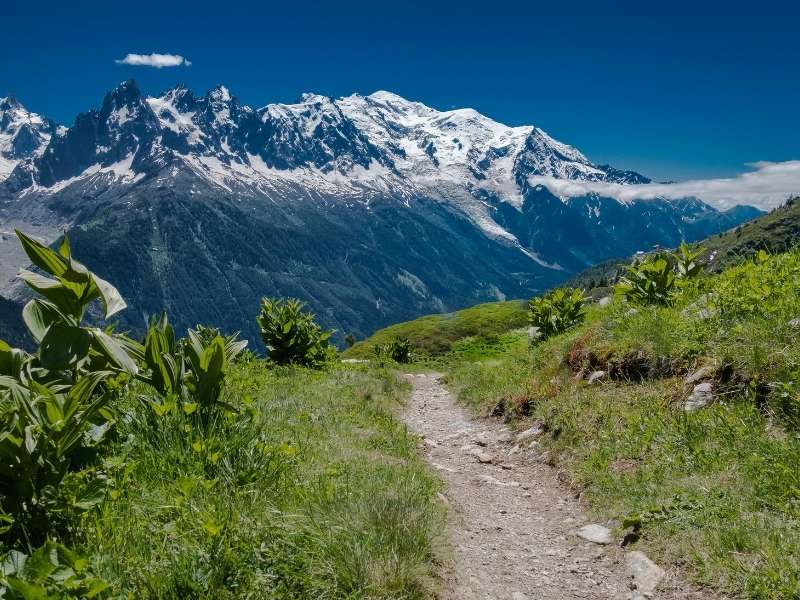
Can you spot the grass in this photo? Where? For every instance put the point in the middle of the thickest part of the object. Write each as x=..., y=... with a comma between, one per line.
x=314, y=491
x=716, y=491
x=435, y=335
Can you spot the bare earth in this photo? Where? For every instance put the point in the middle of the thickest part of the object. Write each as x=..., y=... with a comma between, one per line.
x=512, y=523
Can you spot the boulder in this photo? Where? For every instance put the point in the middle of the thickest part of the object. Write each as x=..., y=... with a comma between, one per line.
x=481, y=455
x=605, y=301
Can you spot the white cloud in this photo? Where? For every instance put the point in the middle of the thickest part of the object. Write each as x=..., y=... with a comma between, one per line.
x=767, y=186
x=156, y=60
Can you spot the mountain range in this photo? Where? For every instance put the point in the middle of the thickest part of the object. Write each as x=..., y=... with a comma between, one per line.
x=373, y=209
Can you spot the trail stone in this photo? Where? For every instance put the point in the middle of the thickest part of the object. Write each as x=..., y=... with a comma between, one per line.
x=534, y=333
x=481, y=455
x=605, y=301
x=644, y=573
x=504, y=438
x=701, y=396
x=596, y=377
x=595, y=533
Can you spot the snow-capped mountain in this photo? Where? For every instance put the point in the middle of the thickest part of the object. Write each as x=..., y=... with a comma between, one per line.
x=23, y=134
x=373, y=208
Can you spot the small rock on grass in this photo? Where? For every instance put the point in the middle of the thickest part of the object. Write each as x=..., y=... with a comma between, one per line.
x=645, y=575
x=595, y=533
x=702, y=395
x=596, y=377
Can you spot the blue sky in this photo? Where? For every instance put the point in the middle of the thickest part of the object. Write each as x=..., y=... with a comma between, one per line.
x=674, y=90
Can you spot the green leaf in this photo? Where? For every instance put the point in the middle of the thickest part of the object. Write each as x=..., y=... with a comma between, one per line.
x=42, y=256
x=39, y=315
x=212, y=528
x=27, y=591
x=65, y=299
x=63, y=248
x=109, y=296
x=92, y=495
x=114, y=351
x=63, y=346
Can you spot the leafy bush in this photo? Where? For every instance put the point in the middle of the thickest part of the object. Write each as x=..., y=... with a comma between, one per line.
x=397, y=350
x=54, y=404
x=52, y=571
x=188, y=374
x=557, y=311
x=290, y=334
x=45, y=431
x=67, y=348
x=686, y=264
x=651, y=282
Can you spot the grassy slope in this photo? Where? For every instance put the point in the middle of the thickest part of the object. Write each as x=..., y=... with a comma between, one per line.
x=717, y=490
x=316, y=491
x=436, y=334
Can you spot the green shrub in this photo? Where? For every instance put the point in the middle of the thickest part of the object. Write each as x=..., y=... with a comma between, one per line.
x=68, y=348
x=397, y=350
x=52, y=571
x=188, y=374
x=651, y=282
x=45, y=432
x=557, y=311
x=291, y=334
x=686, y=264
x=55, y=404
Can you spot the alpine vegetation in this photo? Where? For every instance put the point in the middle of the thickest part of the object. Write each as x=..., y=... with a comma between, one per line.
x=173, y=468
x=291, y=334
x=557, y=311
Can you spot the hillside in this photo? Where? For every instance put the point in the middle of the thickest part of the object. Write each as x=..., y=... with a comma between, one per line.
x=436, y=334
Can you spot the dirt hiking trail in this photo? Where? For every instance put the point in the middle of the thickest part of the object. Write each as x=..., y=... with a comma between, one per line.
x=512, y=524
